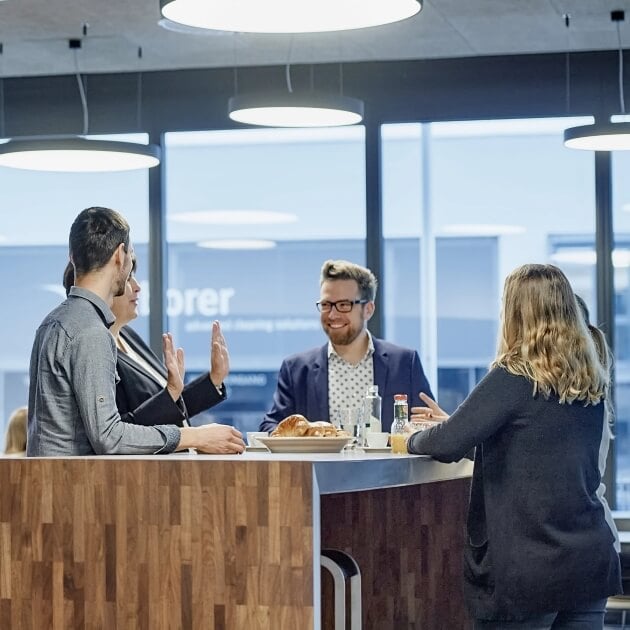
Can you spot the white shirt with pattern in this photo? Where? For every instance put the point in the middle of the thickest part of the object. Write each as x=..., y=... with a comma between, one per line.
x=348, y=383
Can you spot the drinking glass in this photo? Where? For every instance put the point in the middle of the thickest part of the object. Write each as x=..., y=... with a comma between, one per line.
x=349, y=419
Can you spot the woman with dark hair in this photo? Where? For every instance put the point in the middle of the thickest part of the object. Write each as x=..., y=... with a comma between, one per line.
x=145, y=393
x=599, y=338
x=542, y=550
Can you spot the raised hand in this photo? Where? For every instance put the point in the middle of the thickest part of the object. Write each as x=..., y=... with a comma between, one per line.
x=174, y=362
x=432, y=411
x=219, y=356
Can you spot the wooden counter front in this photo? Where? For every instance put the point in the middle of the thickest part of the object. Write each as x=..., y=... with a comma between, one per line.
x=409, y=544
x=216, y=543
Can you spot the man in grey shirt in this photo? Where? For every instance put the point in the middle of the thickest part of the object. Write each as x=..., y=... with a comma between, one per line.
x=72, y=393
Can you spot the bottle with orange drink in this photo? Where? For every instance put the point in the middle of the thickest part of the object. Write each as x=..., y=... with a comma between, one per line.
x=401, y=417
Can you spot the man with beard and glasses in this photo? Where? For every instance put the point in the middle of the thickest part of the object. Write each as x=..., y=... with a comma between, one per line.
x=72, y=391
x=318, y=382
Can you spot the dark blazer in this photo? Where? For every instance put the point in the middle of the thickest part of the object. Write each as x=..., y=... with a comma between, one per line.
x=303, y=383
x=142, y=400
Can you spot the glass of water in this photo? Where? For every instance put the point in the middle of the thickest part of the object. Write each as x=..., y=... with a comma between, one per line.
x=349, y=419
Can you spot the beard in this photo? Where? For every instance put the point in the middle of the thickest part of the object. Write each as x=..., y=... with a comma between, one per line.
x=343, y=336
x=121, y=285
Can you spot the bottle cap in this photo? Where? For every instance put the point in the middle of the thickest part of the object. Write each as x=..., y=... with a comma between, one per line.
x=400, y=397
x=372, y=389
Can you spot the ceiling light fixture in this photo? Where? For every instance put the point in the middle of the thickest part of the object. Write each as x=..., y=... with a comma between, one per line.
x=295, y=110
x=290, y=109
x=76, y=153
x=237, y=244
x=604, y=136
x=178, y=27
x=233, y=217
x=483, y=229
x=287, y=16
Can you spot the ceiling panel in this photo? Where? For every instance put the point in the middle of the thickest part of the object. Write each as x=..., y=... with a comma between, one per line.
x=35, y=33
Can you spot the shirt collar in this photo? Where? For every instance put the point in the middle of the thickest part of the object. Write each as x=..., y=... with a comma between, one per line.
x=101, y=306
x=369, y=352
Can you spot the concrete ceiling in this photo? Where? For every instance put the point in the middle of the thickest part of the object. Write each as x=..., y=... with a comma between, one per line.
x=35, y=34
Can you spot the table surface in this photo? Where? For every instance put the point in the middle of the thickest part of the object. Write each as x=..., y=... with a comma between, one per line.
x=347, y=456
x=348, y=471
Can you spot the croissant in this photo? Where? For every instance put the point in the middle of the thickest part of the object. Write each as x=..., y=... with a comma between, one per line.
x=321, y=429
x=297, y=425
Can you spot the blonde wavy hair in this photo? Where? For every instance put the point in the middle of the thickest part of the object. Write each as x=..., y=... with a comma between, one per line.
x=545, y=338
x=15, y=438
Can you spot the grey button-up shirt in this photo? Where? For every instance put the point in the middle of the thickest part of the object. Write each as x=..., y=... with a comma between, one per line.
x=72, y=392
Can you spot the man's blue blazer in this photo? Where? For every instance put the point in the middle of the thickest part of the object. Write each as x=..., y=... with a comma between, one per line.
x=303, y=383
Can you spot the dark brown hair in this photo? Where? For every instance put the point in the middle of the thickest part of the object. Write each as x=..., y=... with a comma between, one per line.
x=94, y=237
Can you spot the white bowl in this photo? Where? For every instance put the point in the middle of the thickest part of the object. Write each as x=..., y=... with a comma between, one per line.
x=252, y=438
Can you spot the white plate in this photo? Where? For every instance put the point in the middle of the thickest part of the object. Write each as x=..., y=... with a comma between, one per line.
x=305, y=444
x=377, y=449
x=256, y=449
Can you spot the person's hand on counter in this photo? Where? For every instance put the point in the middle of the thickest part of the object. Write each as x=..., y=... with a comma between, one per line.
x=218, y=439
x=432, y=411
x=219, y=357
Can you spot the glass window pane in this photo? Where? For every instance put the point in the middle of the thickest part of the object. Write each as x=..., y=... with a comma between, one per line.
x=36, y=212
x=492, y=195
x=621, y=263
x=252, y=215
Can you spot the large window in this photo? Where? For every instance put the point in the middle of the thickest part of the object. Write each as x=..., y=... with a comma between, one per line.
x=466, y=203
x=252, y=215
x=36, y=212
x=621, y=263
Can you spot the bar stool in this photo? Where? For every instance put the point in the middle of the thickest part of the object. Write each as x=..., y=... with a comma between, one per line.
x=344, y=568
x=619, y=602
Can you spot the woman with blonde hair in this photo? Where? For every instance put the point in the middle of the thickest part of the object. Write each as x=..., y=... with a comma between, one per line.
x=540, y=551
x=15, y=438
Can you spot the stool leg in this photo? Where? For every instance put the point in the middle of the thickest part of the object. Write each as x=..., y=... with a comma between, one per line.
x=355, y=602
x=342, y=564
x=623, y=619
x=340, y=591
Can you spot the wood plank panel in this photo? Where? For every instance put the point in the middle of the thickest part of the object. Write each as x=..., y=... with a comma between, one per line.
x=152, y=544
x=408, y=543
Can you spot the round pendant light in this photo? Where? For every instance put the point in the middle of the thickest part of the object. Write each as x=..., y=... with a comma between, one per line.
x=76, y=154
x=237, y=244
x=599, y=137
x=287, y=16
x=295, y=110
x=605, y=136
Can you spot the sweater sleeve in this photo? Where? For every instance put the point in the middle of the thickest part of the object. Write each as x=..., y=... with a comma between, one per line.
x=487, y=408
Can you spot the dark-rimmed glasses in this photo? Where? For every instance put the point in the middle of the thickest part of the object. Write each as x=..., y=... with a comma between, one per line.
x=342, y=306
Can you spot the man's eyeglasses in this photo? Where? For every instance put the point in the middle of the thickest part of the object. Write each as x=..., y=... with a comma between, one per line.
x=342, y=306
